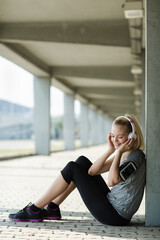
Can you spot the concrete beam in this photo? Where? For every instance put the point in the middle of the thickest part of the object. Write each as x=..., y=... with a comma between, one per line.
x=94, y=82
x=58, y=83
x=117, y=105
x=119, y=110
x=113, y=33
x=129, y=109
x=121, y=73
x=62, y=86
x=115, y=102
x=115, y=113
x=106, y=91
x=109, y=96
x=24, y=59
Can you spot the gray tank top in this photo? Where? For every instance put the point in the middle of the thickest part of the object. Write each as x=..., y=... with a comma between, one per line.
x=126, y=196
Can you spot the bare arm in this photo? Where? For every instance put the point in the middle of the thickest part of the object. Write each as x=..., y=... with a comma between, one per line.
x=102, y=164
x=113, y=176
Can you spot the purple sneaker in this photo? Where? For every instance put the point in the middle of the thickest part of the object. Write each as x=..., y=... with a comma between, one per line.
x=27, y=215
x=51, y=214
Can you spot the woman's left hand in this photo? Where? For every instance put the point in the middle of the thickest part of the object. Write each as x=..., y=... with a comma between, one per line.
x=127, y=146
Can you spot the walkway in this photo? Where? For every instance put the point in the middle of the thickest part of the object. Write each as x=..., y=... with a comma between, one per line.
x=23, y=180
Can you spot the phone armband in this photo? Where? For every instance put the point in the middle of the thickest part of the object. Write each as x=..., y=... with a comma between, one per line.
x=126, y=170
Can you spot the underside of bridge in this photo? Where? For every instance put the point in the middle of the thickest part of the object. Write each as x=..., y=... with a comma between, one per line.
x=92, y=49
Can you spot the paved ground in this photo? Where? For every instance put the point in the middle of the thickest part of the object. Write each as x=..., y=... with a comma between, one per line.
x=23, y=180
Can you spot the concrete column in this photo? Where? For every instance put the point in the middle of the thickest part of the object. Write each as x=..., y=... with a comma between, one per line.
x=108, y=125
x=143, y=122
x=104, y=130
x=84, y=125
x=153, y=113
x=68, y=123
x=94, y=127
x=42, y=115
x=100, y=129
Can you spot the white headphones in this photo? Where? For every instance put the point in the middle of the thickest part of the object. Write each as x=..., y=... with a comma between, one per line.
x=133, y=133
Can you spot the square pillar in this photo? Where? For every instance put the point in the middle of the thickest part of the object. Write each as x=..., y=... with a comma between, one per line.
x=100, y=129
x=105, y=129
x=42, y=115
x=84, y=125
x=143, y=120
x=94, y=127
x=108, y=125
x=152, y=113
x=68, y=122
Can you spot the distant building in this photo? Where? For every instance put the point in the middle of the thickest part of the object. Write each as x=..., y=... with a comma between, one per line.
x=16, y=121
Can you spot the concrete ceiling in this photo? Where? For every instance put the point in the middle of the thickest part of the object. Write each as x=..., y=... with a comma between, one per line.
x=86, y=47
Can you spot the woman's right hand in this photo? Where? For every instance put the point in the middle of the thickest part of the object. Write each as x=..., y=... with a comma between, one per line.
x=110, y=143
x=127, y=146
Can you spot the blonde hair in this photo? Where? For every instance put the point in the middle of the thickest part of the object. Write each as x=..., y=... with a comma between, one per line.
x=139, y=142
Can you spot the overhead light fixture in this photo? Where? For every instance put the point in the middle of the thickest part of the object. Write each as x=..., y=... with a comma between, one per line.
x=136, y=70
x=137, y=92
x=133, y=9
x=137, y=60
x=137, y=103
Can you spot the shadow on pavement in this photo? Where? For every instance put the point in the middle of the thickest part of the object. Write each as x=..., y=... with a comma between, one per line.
x=83, y=222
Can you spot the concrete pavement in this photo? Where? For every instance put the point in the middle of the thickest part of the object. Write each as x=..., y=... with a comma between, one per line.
x=23, y=180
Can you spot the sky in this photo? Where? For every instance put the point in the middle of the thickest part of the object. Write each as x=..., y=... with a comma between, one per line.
x=16, y=85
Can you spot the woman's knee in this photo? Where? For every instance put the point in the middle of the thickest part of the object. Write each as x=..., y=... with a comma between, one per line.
x=84, y=162
x=66, y=171
x=70, y=165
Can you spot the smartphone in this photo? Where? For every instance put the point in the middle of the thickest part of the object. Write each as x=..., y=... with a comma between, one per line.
x=127, y=170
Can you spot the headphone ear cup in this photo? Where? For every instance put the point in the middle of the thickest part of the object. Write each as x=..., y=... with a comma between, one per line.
x=132, y=135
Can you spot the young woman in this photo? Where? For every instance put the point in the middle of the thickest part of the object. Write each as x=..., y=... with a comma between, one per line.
x=126, y=177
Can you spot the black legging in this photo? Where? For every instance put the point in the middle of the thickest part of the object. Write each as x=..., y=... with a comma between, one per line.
x=93, y=191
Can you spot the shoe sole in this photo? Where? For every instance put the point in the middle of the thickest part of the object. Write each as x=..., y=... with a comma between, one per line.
x=26, y=220
x=52, y=218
